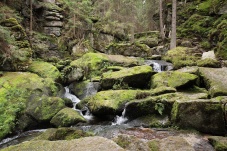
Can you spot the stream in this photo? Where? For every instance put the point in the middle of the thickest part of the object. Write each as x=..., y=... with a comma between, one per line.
x=119, y=125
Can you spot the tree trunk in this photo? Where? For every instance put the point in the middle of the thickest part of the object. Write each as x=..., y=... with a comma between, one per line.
x=31, y=19
x=173, y=31
x=74, y=25
x=161, y=20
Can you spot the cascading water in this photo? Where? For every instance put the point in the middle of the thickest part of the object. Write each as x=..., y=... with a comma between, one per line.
x=159, y=65
x=120, y=119
x=87, y=115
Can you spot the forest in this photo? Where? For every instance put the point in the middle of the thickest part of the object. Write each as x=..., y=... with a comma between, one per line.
x=113, y=75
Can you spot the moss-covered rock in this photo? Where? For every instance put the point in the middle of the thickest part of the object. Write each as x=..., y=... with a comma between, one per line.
x=203, y=115
x=67, y=117
x=16, y=52
x=218, y=142
x=54, y=134
x=95, y=143
x=137, y=77
x=209, y=63
x=112, y=102
x=173, y=79
x=181, y=57
x=195, y=93
x=191, y=70
x=130, y=142
x=45, y=70
x=84, y=89
x=16, y=90
x=159, y=105
x=129, y=49
x=44, y=108
x=214, y=79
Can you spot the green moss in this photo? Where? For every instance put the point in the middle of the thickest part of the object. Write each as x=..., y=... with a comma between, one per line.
x=94, y=61
x=62, y=134
x=45, y=70
x=218, y=142
x=208, y=63
x=123, y=142
x=173, y=79
x=209, y=6
x=67, y=117
x=181, y=57
x=153, y=145
x=15, y=90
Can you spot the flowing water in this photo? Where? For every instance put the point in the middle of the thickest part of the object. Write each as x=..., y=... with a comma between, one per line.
x=159, y=65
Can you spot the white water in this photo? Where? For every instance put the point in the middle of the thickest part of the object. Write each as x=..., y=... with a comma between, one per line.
x=120, y=119
x=159, y=65
x=88, y=116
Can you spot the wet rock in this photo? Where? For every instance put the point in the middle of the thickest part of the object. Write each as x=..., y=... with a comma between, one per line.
x=84, y=89
x=214, y=80
x=67, y=117
x=136, y=77
x=54, y=134
x=173, y=79
x=202, y=114
x=95, y=143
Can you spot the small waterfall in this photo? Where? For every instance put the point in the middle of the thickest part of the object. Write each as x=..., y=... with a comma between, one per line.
x=120, y=119
x=159, y=65
x=87, y=115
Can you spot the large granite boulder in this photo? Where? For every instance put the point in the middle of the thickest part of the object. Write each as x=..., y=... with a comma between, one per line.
x=181, y=57
x=17, y=89
x=45, y=70
x=87, y=144
x=93, y=64
x=203, y=115
x=137, y=77
x=129, y=49
x=54, y=134
x=44, y=108
x=67, y=117
x=173, y=79
x=111, y=102
x=215, y=80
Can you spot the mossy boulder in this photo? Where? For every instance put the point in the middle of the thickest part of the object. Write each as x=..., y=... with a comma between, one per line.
x=101, y=41
x=159, y=105
x=111, y=102
x=218, y=142
x=137, y=77
x=214, y=80
x=191, y=70
x=16, y=53
x=54, y=134
x=45, y=70
x=209, y=63
x=203, y=115
x=195, y=93
x=181, y=57
x=17, y=89
x=83, y=89
x=67, y=117
x=44, y=108
x=88, y=143
x=93, y=64
x=129, y=49
x=173, y=79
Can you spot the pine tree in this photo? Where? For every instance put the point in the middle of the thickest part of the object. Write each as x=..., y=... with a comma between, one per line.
x=173, y=31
